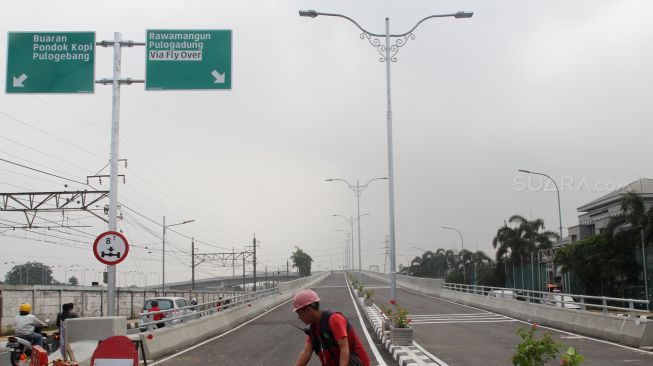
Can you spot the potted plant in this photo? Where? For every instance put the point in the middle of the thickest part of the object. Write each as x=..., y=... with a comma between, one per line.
x=359, y=291
x=367, y=301
x=401, y=334
x=387, y=317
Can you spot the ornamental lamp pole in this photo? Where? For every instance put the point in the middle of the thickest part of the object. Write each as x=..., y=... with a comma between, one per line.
x=358, y=190
x=388, y=53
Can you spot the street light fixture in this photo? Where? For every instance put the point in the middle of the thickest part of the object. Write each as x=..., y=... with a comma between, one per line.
x=388, y=53
x=358, y=190
x=558, y=191
x=462, y=247
x=163, y=254
x=351, y=220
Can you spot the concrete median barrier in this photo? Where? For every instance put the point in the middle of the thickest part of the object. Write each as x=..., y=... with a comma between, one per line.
x=84, y=333
x=631, y=331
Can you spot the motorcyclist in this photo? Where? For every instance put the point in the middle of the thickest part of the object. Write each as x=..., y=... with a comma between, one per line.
x=25, y=324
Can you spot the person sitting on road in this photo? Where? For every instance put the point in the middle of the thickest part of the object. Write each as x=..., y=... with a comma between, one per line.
x=330, y=335
x=66, y=313
x=26, y=323
x=157, y=317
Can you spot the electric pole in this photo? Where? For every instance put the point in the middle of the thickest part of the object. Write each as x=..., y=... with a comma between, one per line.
x=254, y=242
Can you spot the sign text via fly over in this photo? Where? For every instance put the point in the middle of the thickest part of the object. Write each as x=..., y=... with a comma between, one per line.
x=176, y=55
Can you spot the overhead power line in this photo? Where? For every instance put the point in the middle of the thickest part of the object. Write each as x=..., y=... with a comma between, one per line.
x=43, y=172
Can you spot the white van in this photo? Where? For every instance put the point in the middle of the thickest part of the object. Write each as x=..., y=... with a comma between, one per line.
x=561, y=301
x=503, y=294
x=167, y=303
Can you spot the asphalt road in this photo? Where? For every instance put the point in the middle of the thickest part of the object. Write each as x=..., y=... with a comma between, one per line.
x=4, y=358
x=461, y=335
x=271, y=339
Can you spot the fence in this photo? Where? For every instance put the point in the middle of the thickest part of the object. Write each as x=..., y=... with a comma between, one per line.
x=561, y=300
x=46, y=301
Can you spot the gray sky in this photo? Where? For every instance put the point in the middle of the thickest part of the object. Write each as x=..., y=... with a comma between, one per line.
x=554, y=86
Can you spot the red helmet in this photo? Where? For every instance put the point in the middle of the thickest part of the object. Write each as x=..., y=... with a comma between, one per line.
x=304, y=298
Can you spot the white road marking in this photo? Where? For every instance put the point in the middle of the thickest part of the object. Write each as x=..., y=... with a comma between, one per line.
x=464, y=321
x=219, y=335
x=376, y=353
x=541, y=326
x=429, y=355
x=459, y=318
x=329, y=286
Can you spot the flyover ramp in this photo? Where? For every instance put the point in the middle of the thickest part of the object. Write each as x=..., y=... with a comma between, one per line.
x=271, y=339
x=457, y=334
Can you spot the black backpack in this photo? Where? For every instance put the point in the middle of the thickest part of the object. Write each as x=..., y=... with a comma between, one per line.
x=325, y=340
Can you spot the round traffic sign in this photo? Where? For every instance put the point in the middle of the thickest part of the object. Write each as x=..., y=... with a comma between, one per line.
x=111, y=247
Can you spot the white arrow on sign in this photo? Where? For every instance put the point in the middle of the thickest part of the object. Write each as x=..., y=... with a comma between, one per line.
x=219, y=78
x=18, y=81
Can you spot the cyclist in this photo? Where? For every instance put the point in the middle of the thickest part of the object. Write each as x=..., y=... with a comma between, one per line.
x=330, y=335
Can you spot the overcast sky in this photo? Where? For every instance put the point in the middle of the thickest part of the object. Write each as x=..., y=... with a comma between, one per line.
x=560, y=87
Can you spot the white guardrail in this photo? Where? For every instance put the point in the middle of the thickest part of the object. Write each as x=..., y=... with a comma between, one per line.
x=182, y=314
x=559, y=299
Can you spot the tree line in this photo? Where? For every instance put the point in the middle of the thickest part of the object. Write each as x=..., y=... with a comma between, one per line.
x=604, y=264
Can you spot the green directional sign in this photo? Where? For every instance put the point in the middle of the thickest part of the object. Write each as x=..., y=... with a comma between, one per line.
x=188, y=59
x=50, y=62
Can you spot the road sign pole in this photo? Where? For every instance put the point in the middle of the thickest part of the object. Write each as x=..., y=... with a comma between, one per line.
x=113, y=185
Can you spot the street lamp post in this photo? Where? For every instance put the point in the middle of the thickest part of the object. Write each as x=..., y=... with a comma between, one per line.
x=351, y=220
x=559, y=209
x=388, y=54
x=349, y=238
x=163, y=269
x=358, y=190
x=462, y=247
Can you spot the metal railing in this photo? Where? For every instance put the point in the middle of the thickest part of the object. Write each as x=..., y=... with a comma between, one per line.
x=182, y=314
x=558, y=299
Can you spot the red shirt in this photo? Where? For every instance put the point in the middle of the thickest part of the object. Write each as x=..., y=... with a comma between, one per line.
x=156, y=317
x=338, y=326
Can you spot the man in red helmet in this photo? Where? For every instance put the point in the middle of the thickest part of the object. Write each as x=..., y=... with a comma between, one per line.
x=330, y=335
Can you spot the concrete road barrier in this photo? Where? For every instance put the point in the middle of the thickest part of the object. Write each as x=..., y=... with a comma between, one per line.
x=84, y=333
x=632, y=331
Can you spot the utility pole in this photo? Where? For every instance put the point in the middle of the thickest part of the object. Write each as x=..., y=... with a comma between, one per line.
x=233, y=266
x=254, y=242
x=287, y=270
x=192, y=265
x=244, y=278
x=117, y=45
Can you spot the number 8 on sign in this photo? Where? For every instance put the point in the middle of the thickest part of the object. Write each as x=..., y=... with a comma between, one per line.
x=110, y=247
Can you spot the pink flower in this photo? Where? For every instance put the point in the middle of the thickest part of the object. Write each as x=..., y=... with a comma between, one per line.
x=393, y=301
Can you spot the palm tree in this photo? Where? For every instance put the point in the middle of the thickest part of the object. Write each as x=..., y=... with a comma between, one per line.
x=517, y=239
x=633, y=216
x=523, y=237
x=302, y=261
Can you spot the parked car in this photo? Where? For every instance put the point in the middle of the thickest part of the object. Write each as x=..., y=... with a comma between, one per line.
x=561, y=301
x=167, y=303
x=503, y=294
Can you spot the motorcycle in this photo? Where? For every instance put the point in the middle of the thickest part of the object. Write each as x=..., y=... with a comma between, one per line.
x=20, y=346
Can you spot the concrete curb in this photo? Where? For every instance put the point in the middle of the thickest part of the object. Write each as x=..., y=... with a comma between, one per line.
x=404, y=355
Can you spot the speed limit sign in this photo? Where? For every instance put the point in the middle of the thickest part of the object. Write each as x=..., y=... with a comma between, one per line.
x=110, y=248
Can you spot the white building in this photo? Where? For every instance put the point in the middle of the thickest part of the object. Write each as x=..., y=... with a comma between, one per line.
x=595, y=215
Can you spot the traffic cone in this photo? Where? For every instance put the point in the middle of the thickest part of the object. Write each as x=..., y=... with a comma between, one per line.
x=22, y=360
